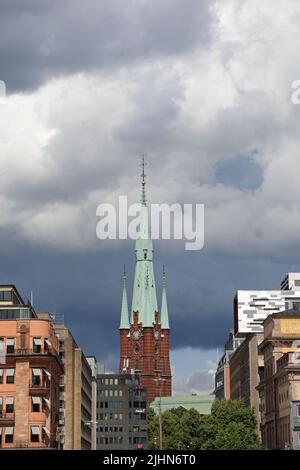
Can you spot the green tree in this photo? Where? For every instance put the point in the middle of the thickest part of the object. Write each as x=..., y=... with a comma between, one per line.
x=231, y=425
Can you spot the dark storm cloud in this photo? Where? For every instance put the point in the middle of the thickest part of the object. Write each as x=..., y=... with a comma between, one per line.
x=43, y=39
x=86, y=289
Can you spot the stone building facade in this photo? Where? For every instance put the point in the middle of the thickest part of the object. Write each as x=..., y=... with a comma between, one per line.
x=279, y=388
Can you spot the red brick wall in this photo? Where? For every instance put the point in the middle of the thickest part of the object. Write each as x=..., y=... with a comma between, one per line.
x=152, y=357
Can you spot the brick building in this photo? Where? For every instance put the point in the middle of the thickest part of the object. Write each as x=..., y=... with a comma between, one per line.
x=30, y=372
x=145, y=336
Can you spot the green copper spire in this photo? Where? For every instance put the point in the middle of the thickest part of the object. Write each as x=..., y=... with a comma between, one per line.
x=144, y=273
x=164, y=314
x=124, y=321
x=148, y=317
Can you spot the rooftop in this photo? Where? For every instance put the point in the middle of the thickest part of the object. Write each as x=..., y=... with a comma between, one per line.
x=201, y=403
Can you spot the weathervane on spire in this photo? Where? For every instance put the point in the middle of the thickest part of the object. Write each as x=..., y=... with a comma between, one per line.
x=143, y=175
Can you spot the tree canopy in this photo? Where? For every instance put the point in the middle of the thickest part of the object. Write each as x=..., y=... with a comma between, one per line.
x=231, y=426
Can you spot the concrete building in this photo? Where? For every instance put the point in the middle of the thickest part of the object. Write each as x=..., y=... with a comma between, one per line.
x=121, y=412
x=201, y=403
x=30, y=372
x=291, y=282
x=251, y=308
x=94, y=369
x=222, y=376
x=246, y=369
x=279, y=388
x=75, y=394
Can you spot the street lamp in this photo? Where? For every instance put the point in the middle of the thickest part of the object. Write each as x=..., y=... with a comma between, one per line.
x=160, y=380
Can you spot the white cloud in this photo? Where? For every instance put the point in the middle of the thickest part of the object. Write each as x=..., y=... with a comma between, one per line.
x=75, y=141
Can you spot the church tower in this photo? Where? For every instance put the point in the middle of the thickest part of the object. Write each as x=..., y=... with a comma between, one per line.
x=145, y=333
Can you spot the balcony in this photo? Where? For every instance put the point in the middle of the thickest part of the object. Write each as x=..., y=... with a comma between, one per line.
x=32, y=352
x=42, y=388
x=6, y=418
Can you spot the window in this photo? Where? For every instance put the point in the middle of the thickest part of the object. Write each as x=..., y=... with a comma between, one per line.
x=10, y=376
x=9, y=404
x=10, y=345
x=1, y=404
x=35, y=434
x=5, y=295
x=35, y=404
x=9, y=435
x=298, y=410
x=1, y=346
x=0, y=438
x=37, y=345
x=36, y=376
x=1, y=376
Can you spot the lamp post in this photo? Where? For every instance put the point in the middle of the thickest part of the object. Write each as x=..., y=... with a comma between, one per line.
x=160, y=380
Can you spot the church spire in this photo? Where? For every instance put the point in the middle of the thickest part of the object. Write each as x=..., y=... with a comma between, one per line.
x=164, y=314
x=124, y=321
x=144, y=262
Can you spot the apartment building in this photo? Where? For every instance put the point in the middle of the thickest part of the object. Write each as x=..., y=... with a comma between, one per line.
x=75, y=399
x=30, y=372
x=279, y=388
x=222, y=376
x=246, y=369
x=93, y=424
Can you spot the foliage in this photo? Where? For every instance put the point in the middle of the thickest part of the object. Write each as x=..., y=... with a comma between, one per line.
x=231, y=425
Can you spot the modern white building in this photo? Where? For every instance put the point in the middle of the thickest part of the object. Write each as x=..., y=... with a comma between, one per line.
x=251, y=308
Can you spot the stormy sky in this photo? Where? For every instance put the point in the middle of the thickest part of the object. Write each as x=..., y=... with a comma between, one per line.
x=203, y=88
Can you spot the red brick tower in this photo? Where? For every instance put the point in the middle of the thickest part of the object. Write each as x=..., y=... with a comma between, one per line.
x=144, y=339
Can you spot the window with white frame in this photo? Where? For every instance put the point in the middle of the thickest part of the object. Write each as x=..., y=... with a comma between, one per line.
x=10, y=376
x=35, y=404
x=9, y=405
x=9, y=435
x=37, y=345
x=1, y=376
x=36, y=376
x=35, y=434
x=10, y=345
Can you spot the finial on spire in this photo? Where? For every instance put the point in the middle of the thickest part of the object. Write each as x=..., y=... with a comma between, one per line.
x=143, y=176
x=164, y=277
x=124, y=275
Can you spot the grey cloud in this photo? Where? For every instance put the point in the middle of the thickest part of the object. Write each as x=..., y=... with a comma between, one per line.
x=201, y=381
x=43, y=39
